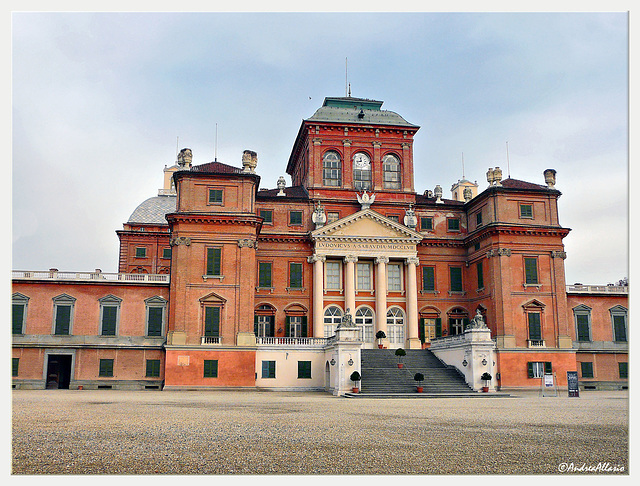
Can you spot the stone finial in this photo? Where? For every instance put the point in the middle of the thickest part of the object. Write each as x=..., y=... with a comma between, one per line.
x=281, y=184
x=249, y=161
x=437, y=192
x=184, y=158
x=550, y=178
x=497, y=176
x=428, y=193
x=467, y=194
x=490, y=176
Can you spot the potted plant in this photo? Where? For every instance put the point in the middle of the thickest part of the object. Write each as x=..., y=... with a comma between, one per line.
x=400, y=353
x=419, y=377
x=355, y=377
x=380, y=335
x=487, y=378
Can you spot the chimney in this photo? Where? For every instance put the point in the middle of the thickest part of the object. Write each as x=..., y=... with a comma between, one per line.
x=550, y=178
x=249, y=161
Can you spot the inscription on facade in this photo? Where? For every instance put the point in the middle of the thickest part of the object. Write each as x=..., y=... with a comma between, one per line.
x=337, y=245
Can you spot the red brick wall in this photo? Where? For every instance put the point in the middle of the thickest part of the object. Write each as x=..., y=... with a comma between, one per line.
x=235, y=368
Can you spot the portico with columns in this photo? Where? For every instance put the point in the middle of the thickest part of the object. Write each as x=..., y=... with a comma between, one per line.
x=376, y=260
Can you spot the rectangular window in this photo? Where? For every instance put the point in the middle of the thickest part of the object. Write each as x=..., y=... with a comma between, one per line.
x=17, y=318
x=155, y=319
x=526, y=211
x=295, y=218
x=264, y=326
x=214, y=258
x=333, y=275
x=153, y=368
x=476, y=247
x=304, y=369
x=268, y=369
x=63, y=319
x=212, y=321
x=295, y=326
x=363, y=271
x=166, y=253
x=586, y=369
x=14, y=366
x=109, y=320
x=619, y=328
x=295, y=275
x=531, y=271
x=141, y=252
x=537, y=369
x=535, y=330
x=210, y=368
x=623, y=369
x=106, y=367
x=453, y=224
x=267, y=216
x=480, y=275
x=264, y=274
x=332, y=216
x=394, y=279
x=582, y=326
x=394, y=217
x=426, y=223
x=429, y=279
x=456, y=279
x=215, y=196
x=478, y=219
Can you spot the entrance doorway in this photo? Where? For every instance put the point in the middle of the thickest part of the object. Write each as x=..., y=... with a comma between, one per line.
x=58, y=371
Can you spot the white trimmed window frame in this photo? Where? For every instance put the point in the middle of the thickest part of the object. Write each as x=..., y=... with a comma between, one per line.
x=110, y=301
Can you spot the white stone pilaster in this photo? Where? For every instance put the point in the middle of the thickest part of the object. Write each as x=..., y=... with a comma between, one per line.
x=413, y=341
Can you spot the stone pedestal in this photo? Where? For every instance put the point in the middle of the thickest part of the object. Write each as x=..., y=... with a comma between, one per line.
x=344, y=353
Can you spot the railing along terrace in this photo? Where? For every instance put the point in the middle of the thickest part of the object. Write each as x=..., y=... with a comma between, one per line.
x=90, y=276
x=292, y=341
x=448, y=340
x=598, y=289
x=211, y=340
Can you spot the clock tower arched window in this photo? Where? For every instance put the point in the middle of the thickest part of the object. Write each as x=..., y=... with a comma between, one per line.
x=361, y=171
x=391, y=172
x=331, y=169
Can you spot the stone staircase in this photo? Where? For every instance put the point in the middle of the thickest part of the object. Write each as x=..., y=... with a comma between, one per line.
x=381, y=375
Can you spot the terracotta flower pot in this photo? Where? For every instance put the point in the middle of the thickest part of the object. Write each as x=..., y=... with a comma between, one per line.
x=400, y=365
x=355, y=390
x=379, y=346
x=485, y=389
x=420, y=389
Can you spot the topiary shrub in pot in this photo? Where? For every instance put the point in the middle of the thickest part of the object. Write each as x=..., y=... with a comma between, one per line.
x=486, y=377
x=400, y=353
x=380, y=335
x=355, y=377
x=419, y=377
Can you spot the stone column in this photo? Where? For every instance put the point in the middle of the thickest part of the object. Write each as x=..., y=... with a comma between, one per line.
x=381, y=295
x=318, y=293
x=350, y=284
x=413, y=339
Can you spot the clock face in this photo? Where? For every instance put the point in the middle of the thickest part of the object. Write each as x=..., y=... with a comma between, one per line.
x=361, y=161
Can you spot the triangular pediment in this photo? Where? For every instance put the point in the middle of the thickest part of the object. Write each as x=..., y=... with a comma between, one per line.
x=212, y=298
x=366, y=224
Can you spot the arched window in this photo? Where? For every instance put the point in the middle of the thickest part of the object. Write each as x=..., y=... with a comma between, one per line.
x=391, y=172
x=361, y=171
x=331, y=169
x=332, y=317
x=395, y=326
x=458, y=321
x=264, y=321
x=364, y=321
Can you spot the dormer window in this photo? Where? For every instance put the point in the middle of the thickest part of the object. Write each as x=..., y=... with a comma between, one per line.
x=361, y=172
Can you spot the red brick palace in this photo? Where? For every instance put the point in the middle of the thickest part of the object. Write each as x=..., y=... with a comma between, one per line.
x=223, y=283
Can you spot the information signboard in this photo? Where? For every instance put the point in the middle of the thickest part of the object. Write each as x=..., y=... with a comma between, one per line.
x=572, y=383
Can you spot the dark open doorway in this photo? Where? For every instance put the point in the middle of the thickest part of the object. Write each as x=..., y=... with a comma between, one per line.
x=58, y=371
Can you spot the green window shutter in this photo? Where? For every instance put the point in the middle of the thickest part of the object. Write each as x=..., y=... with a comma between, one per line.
x=623, y=369
x=153, y=368
x=63, y=319
x=295, y=275
x=272, y=326
x=465, y=323
x=480, y=275
x=264, y=274
x=213, y=261
x=212, y=321
x=531, y=270
x=303, y=326
x=272, y=369
x=154, y=326
x=426, y=223
x=526, y=211
x=295, y=217
x=267, y=215
x=453, y=224
x=530, y=369
x=287, y=326
x=106, y=367
x=17, y=318
x=428, y=278
x=14, y=366
x=456, y=279
x=438, y=327
x=255, y=324
x=548, y=369
x=535, y=333
x=582, y=321
x=421, y=330
x=215, y=195
x=210, y=368
x=109, y=317
x=265, y=369
x=619, y=329
x=166, y=253
x=268, y=369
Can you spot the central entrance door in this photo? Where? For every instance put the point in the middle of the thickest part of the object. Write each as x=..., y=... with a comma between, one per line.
x=58, y=371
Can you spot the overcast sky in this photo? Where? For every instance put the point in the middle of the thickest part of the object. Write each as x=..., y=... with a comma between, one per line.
x=99, y=100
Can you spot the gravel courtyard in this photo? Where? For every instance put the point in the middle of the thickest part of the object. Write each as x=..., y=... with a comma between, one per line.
x=253, y=432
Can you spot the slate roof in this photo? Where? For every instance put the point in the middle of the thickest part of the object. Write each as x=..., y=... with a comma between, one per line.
x=517, y=184
x=216, y=167
x=291, y=192
x=153, y=210
x=346, y=110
